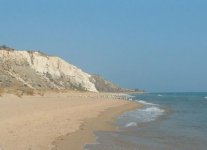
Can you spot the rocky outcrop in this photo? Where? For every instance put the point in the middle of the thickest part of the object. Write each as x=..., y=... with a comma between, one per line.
x=103, y=85
x=36, y=70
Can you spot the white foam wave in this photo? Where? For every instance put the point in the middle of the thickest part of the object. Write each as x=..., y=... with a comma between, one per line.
x=145, y=103
x=154, y=109
x=159, y=95
x=150, y=114
x=130, y=99
x=131, y=124
x=205, y=97
x=142, y=115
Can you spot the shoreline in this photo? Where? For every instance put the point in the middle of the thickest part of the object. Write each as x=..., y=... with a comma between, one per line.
x=39, y=122
x=105, y=121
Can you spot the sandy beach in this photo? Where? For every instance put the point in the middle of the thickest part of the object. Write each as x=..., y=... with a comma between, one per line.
x=57, y=121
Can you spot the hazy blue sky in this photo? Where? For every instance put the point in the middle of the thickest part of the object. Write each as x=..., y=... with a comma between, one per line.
x=156, y=45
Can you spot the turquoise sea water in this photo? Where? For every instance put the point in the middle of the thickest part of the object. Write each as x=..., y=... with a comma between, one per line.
x=168, y=121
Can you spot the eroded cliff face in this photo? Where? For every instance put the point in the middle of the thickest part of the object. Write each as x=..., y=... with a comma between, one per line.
x=39, y=71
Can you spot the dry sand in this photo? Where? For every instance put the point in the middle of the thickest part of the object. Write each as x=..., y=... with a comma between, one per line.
x=56, y=121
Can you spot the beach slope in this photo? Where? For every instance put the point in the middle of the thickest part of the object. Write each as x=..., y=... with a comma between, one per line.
x=42, y=122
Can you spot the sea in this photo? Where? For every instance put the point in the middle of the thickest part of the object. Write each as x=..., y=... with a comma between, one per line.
x=168, y=121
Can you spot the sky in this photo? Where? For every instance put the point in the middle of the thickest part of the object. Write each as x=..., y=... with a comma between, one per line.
x=158, y=46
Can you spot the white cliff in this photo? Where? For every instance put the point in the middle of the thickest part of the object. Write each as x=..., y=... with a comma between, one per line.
x=52, y=69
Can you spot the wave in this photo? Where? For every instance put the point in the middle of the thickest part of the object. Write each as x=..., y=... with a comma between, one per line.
x=142, y=115
x=159, y=95
x=146, y=103
x=130, y=99
x=154, y=109
x=131, y=124
x=150, y=113
x=205, y=97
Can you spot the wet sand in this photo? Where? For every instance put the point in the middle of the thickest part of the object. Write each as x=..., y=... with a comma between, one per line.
x=57, y=121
